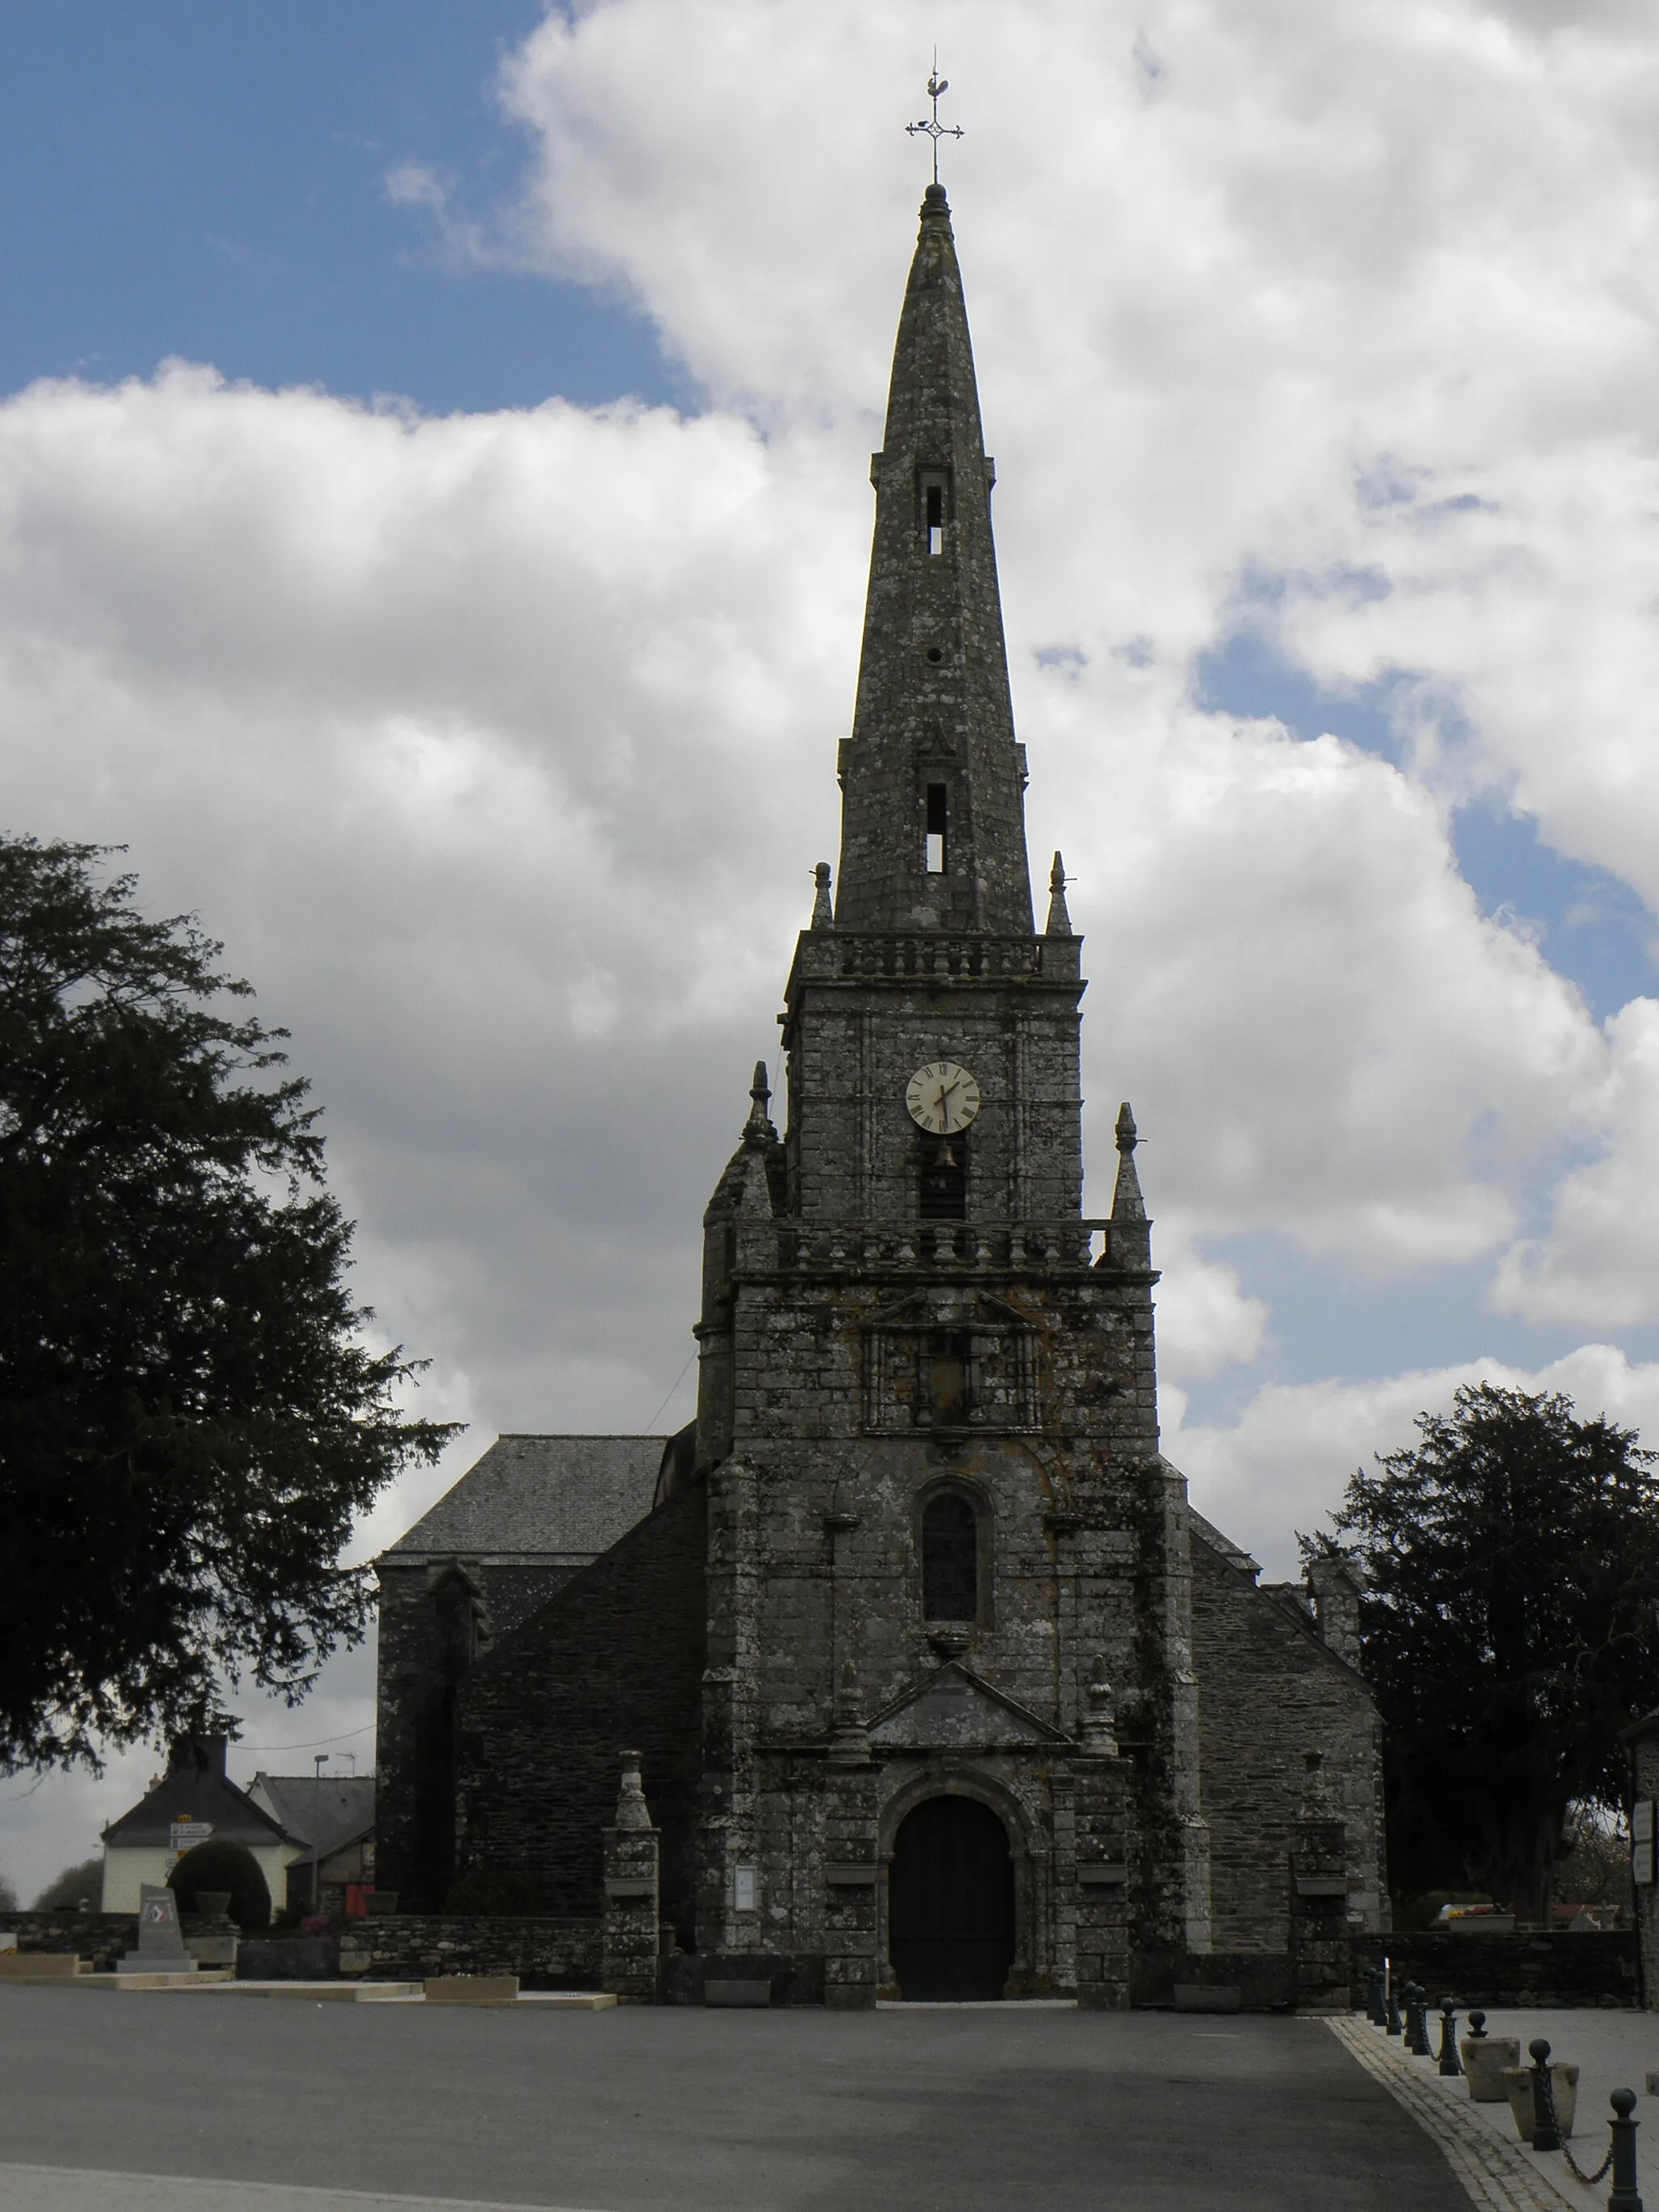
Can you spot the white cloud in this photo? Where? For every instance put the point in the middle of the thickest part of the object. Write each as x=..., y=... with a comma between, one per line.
x=1596, y=1260
x=1284, y=1464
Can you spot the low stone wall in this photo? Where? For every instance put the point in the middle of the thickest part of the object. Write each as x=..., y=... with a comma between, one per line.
x=1264, y=1980
x=796, y=1978
x=544, y=1953
x=1507, y=1971
x=100, y=1937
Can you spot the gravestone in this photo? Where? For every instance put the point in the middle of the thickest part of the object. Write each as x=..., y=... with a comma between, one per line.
x=161, y=1944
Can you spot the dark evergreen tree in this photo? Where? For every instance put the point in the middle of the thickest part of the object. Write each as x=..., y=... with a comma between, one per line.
x=1509, y=1631
x=85, y=1879
x=189, y=1417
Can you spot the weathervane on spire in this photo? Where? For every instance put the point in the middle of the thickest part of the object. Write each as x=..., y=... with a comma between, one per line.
x=930, y=126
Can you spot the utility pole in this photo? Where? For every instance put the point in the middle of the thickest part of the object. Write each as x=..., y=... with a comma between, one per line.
x=319, y=1760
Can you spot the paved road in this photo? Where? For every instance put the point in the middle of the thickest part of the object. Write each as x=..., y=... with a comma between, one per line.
x=680, y=2111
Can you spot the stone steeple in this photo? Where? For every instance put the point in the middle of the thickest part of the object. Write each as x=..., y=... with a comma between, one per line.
x=933, y=818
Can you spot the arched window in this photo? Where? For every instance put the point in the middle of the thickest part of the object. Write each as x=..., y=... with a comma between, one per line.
x=949, y=1559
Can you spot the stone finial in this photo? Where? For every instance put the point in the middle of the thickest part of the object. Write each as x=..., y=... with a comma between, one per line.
x=1127, y=1205
x=632, y=1812
x=1059, y=922
x=823, y=913
x=1100, y=1725
x=759, y=1123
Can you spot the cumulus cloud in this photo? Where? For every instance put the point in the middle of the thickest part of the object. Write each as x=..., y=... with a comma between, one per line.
x=1284, y=1463
x=1594, y=1259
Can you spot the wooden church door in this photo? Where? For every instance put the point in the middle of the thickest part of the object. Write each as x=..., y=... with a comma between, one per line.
x=951, y=1902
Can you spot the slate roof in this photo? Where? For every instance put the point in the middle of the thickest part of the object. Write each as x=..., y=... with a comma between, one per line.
x=320, y=1815
x=539, y=1500
x=1234, y=1554
x=200, y=1793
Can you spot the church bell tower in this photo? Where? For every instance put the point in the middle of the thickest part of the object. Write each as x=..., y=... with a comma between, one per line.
x=948, y=1676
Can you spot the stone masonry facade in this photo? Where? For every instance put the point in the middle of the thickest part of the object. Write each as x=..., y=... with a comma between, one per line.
x=921, y=1543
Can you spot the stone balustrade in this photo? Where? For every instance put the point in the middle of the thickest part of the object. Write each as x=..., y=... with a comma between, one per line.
x=909, y=1247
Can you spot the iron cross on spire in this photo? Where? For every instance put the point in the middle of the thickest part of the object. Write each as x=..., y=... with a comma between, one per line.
x=930, y=126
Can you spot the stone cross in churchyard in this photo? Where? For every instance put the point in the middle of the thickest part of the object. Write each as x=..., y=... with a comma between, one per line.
x=160, y=1941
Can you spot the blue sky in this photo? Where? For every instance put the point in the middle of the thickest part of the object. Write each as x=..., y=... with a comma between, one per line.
x=208, y=180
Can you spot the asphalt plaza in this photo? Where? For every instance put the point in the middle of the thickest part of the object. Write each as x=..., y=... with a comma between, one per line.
x=648, y=2109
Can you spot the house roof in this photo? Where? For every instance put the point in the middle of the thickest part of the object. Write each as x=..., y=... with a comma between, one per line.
x=194, y=1792
x=322, y=1814
x=538, y=1500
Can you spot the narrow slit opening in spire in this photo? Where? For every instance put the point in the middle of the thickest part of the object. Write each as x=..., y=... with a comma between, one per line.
x=938, y=818
x=932, y=510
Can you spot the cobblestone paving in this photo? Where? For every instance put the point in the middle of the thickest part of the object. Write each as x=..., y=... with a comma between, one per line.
x=1499, y=2175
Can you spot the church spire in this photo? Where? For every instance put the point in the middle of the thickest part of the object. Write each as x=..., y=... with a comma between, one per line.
x=932, y=816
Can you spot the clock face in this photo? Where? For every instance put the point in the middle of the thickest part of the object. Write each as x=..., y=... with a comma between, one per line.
x=942, y=1098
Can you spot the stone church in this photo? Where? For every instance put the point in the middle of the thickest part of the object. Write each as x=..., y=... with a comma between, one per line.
x=937, y=1685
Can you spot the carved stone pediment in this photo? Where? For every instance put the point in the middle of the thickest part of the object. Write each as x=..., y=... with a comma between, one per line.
x=954, y=1710
x=950, y=1361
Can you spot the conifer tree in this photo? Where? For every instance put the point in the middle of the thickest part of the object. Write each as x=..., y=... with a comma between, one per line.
x=190, y=1417
x=1512, y=1556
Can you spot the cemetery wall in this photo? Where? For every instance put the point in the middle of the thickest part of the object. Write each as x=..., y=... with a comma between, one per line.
x=544, y=1952
x=1506, y=1971
x=1271, y=1691
x=100, y=1937
x=615, y=1661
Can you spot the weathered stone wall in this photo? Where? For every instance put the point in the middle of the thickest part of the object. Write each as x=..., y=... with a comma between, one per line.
x=545, y=1953
x=1270, y=1693
x=614, y=1660
x=99, y=1937
x=424, y=1653
x=1506, y=1971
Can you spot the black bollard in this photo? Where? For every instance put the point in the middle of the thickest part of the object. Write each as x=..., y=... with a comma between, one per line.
x=1623, y=2197
x=1449, y=2064
x=1417, y=2020
x=1546, y=2135
x=1391, y=2019
x=1376, y=2011
x=1477, y=2026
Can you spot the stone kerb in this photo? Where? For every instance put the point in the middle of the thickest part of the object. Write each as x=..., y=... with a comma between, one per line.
x=632, y=1878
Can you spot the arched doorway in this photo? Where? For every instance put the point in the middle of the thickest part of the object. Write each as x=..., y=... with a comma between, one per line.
x=951, y=1901
x=221, y=1865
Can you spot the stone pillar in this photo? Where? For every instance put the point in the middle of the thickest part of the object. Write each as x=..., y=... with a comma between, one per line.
x=1642, y=1743
x=631, y=1893
x=852, y=1872
x=1101, y=1802
x=1319, y=1901
x=730, y=1906
x=1336, y=1587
